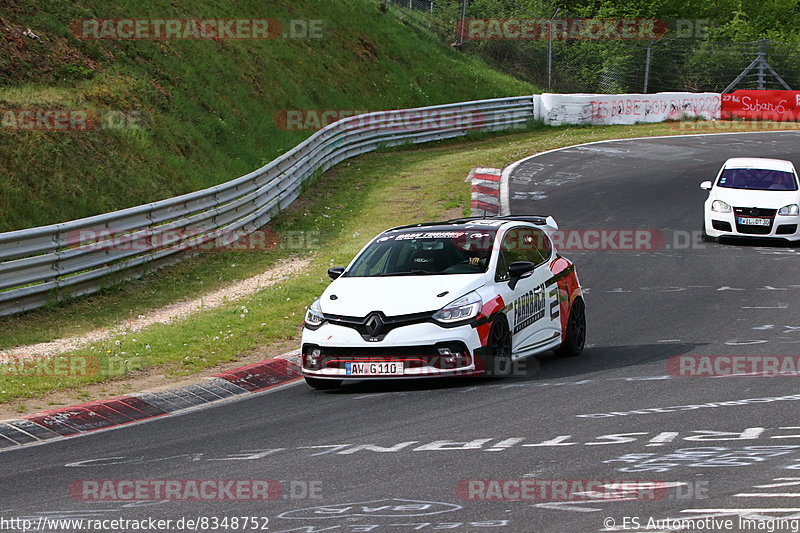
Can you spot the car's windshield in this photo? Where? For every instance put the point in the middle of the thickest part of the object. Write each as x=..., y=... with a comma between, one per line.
x=425, y=252
x=757, y=179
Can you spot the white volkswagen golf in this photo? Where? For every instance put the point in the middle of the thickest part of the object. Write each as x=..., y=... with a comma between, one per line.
x=753, y=197
x=461, y=297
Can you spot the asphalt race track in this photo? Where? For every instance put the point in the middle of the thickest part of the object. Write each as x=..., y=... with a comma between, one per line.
x=398, y=456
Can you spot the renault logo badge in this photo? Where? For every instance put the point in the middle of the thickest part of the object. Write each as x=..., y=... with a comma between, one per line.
x=374, y=324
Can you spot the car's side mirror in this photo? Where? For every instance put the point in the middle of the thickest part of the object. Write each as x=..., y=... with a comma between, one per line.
x=519, y=270
x=706, y=185
x=335, y=272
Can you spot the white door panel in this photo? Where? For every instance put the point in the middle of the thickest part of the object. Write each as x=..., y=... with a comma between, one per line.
x=532, y=306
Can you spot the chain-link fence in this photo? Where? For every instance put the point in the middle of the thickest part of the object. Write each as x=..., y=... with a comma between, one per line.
x=617, y=65
x=643, y=66
x=420, y=5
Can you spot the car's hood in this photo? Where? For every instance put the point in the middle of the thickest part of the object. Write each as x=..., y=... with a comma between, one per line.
x=396, y=295
x=763, y=199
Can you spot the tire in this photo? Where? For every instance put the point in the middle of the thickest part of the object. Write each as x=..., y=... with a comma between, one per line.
x=497, y=361
x=575, y=337
x=323, y=384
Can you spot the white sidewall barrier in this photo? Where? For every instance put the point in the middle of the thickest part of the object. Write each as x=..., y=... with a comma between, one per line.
x=604, y=109
x=538, y=113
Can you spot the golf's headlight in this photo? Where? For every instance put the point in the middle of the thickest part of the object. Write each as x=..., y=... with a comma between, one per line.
x=465, y=308
x=788, y=210
x=314, y=316
x=720, y=207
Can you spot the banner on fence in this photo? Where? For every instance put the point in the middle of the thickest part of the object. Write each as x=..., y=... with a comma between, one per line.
x=780, y=106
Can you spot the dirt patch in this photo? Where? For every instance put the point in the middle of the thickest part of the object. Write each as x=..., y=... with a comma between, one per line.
x=165, y=315
x=30, y=54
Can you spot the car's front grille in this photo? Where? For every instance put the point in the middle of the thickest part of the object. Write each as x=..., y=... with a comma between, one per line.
x=754, y=212
x=376, y=325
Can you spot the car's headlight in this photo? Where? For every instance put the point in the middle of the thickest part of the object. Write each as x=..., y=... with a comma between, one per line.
x=314, y=316
x=720, y=207
x=465, y=308
x=788, y=210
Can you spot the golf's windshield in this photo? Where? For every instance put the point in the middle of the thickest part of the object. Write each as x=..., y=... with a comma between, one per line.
x=757, y=179
x=425, y=252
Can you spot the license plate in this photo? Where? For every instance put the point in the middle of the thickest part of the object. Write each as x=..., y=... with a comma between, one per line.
x=374, y=369
x=754, y=221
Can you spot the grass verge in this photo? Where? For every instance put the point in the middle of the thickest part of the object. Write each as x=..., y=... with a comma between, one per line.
x=178, y=115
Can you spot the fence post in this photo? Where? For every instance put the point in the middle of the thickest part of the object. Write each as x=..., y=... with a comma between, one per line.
x=647, y=65
x=550, y=49
x=463, y=22
x=762, y=61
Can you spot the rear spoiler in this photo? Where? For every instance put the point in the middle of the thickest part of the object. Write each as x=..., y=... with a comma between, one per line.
x=548, y=222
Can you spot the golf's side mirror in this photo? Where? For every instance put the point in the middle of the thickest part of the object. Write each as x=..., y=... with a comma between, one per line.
x=335, y=272
x=706, y=185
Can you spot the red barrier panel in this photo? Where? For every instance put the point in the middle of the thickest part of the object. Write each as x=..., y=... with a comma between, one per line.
x=761, y=105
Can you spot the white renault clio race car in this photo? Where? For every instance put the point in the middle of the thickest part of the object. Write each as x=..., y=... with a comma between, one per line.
x=753, y=197
x=461, y=297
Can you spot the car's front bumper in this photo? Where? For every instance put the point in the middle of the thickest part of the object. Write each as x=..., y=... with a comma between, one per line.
x=419, y=346
x=725, y=225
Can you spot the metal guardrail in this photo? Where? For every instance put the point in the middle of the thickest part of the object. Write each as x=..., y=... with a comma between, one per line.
x=46, y=264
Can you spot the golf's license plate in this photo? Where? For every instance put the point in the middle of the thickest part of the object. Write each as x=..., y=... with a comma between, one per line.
x=754, y=221
x=374, y=369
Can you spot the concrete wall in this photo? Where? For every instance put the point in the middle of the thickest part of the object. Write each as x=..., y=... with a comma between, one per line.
x=603, y=109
